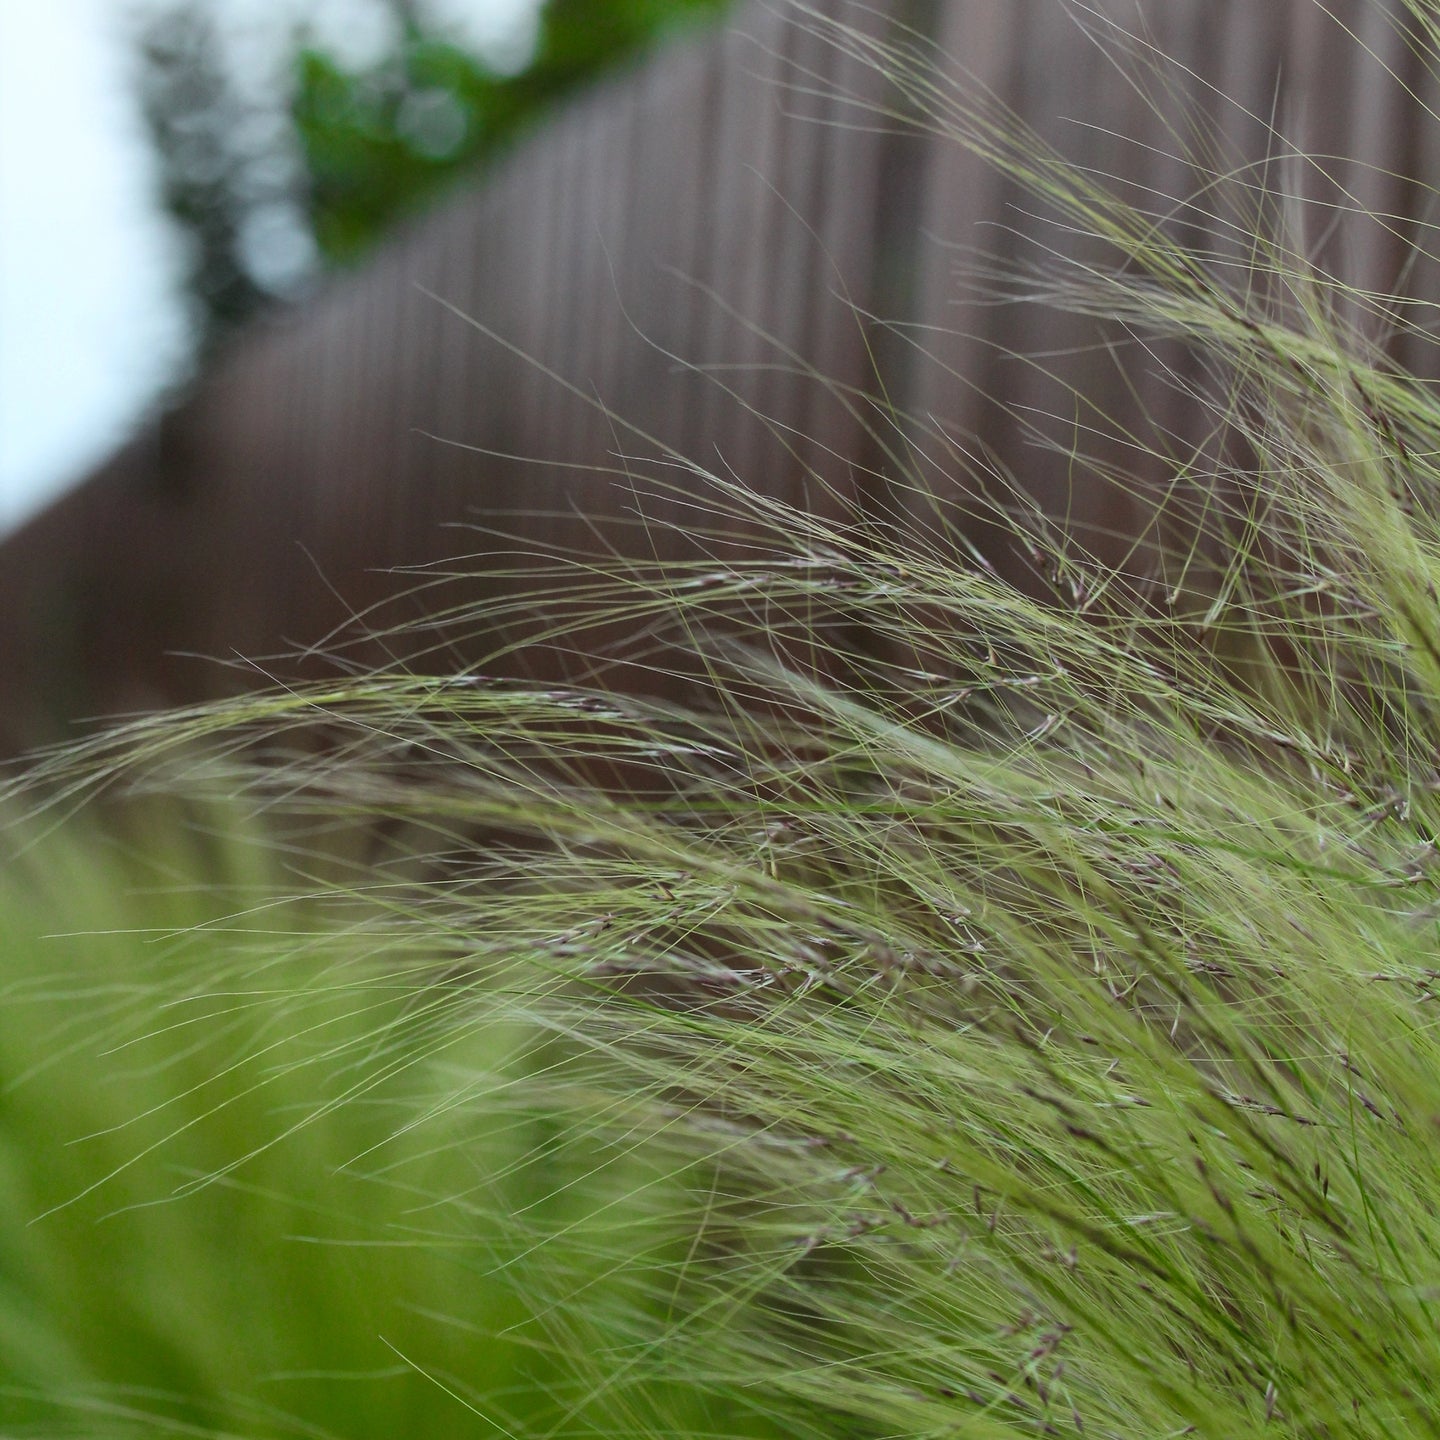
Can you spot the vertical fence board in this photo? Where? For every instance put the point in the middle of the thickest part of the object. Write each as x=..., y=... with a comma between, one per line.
x=951, y=387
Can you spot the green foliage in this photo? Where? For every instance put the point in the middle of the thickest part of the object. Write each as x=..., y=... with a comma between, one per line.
x=240, y=1194
x=1030, y=1000
x=343, y=154
x=379, y=140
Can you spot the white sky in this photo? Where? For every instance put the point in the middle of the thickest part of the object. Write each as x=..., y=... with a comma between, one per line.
x=90, y=324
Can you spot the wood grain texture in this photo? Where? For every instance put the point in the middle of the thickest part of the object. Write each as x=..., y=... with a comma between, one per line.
x=716, y=253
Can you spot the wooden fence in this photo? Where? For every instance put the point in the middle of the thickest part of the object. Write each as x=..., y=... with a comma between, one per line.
x=683, y=245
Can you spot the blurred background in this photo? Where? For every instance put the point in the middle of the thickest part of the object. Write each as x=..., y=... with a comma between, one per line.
x=312, y=295
x=168, y=171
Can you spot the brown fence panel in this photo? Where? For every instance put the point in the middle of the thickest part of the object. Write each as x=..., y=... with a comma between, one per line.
x=720, y=254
